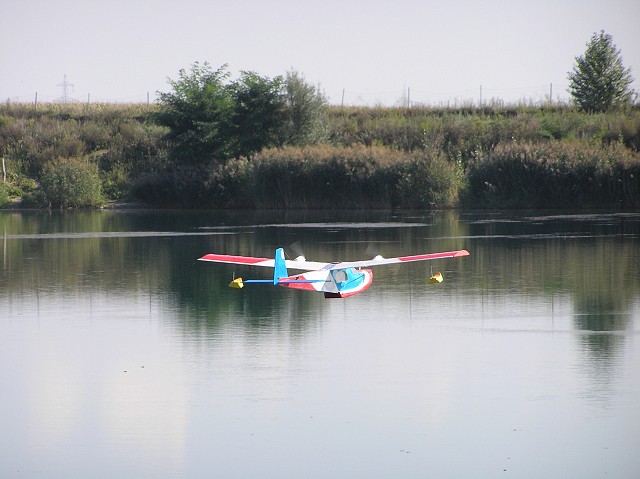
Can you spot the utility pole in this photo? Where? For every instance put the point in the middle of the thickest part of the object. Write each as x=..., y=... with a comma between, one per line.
x=65, y=89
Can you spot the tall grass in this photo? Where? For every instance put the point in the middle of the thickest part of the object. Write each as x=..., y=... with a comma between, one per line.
x=495, y=156
x=460, y=132
x=117, y=139
x=353, y=177
x=314, y=177
x=555, y=174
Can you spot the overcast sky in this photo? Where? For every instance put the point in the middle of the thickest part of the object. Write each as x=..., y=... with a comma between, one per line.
x=367, y=52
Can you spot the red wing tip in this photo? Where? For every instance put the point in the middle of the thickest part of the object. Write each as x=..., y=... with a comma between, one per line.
x=225, y=258
x=462, y=252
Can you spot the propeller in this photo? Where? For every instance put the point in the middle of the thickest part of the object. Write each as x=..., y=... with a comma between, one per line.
x=296, y=248
x=372, y=251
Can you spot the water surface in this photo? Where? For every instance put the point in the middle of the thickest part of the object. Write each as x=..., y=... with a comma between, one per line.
x=122, y=356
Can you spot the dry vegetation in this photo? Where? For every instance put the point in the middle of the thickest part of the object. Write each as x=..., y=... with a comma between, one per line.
x=495, y=157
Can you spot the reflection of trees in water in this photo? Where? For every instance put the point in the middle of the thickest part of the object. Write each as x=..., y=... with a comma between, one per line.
x=604, y=278
x=602, y=355
x=588, y=263
x=594, y=259
x=602, y=316
x=203, y=294
x=602, y=311
x=522, y=255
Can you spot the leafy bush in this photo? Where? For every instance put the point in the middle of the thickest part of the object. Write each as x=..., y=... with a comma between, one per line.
x=115, y=183
x=70, y=183
x=4, y=195
x=429, y=181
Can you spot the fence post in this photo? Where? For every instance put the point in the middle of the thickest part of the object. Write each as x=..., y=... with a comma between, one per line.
x=4, y=172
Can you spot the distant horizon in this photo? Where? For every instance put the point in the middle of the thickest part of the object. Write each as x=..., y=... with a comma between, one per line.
x=402, y=103
x=406, y=97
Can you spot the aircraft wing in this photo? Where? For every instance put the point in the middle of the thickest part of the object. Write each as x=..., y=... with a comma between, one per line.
x=266, y=262
x=303, y=264
x=379, y=260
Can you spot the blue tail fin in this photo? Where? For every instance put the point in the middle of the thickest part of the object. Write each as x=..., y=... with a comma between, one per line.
x=279, y=266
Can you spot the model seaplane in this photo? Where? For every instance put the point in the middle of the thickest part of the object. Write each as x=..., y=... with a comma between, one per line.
x=335, y=280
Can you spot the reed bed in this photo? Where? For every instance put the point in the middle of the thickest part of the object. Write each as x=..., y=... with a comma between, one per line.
x=555, y=174
x=314, y=177
x=494, y=157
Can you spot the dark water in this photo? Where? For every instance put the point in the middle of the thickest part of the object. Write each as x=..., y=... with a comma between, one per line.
x=121, y=356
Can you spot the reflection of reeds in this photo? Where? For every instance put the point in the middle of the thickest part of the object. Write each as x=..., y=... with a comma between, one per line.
x=590, y=260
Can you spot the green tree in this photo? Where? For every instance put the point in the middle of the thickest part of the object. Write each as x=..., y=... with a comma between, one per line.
x=305, y=120
x=259, y=113
x=599, y=81
x=198, y=113
x=211, y=118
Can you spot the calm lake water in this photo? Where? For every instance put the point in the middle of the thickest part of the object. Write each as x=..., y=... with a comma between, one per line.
x=121, y=356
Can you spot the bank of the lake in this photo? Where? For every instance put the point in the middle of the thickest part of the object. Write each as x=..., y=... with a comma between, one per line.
x=73, y=155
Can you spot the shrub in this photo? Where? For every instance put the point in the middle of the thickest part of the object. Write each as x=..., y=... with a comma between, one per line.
x=429, y=181
x=4, y=195
x=115, y=183
x=70, y=183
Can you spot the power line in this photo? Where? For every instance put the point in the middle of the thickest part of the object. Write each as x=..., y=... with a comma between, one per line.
x=65, y=89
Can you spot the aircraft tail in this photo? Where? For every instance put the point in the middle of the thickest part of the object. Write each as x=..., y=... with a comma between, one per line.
x=279, y=266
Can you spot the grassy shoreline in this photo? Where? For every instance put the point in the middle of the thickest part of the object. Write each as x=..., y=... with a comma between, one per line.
x=371, y=158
